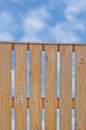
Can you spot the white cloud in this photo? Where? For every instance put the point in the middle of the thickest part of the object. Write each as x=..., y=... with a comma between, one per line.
x=40, y=12
x=37, y=29
x=10, y=26
x=7, y=26
x=6, y=36
x=6, y=21
x=30, y=38
x=35, y=20
x=63, y=33
x=34, y=23
x=74, y=8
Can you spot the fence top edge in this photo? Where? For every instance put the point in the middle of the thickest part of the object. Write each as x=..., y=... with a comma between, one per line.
x=41, y=43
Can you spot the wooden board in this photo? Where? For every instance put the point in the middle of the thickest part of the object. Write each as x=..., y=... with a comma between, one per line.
x=80, y=102
x=20, y=87
x=5, y=87
x=50, y=91
x=66, y=86
x=35, y=84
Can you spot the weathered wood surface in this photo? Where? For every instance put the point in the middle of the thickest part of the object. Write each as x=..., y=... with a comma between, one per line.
x=35, y=102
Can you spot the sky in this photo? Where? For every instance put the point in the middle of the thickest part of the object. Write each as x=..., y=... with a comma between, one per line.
x=43, y=21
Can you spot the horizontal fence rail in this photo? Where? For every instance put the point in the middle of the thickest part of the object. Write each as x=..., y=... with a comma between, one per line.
x=50, y=101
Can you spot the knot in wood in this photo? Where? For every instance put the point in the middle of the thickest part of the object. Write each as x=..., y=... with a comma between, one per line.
x=81, y=60
x=20, y=101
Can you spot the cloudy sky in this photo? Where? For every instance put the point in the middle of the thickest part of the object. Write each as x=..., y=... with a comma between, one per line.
x=43, y=20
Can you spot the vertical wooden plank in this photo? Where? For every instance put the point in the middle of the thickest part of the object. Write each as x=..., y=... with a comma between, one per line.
x=5, y=87
x=50, y=91
x=35, y=90
x=66, y=83
x=20, y=86
x=80, y=102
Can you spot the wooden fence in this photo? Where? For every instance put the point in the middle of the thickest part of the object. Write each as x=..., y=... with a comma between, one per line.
x=36, y=102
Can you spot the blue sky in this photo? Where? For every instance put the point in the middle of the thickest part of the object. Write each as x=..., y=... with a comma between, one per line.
x=43, y=20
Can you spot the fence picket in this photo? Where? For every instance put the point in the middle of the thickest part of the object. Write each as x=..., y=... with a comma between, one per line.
x=20, y=87
x=66, y=81
x=5, y=87
x=35, y=90
x=80, y=102
x=50, y=91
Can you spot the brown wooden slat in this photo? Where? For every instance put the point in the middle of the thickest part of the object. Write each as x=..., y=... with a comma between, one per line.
x=65, y=82
x=50, y=97
x=5, y=87
x=35, y=90
x=20, y=87
x=80, y=102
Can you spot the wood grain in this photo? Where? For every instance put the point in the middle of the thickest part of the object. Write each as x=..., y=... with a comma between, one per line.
x=36, y=84
x=80, y=102
x=66, y=86
x=50, y=91
x=20, y=87
x=5, y=87
x=35, y=102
